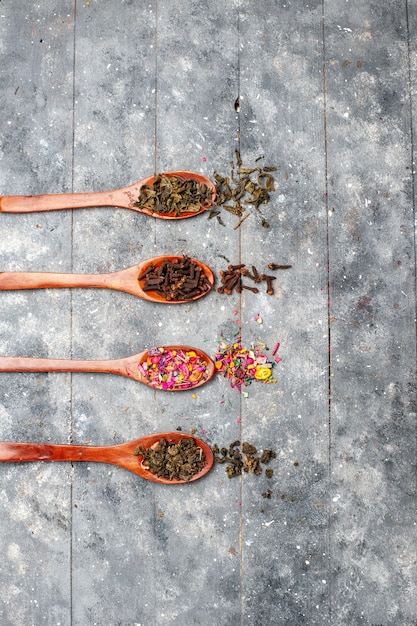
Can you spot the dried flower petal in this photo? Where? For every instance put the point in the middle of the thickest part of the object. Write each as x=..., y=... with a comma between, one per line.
x=173, y=369
x=241, y=365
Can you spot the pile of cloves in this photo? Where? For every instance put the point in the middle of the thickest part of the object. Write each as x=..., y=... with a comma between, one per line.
x=175, y=281
x=231, y=278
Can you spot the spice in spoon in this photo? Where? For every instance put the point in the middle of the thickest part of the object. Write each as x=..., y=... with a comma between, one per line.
x=173, y=461
x=178, y=280
x=173, y=369
x=174, y=195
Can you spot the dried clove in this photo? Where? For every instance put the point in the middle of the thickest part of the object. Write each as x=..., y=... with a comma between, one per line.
x=276, y=266
x=269, y=279
x=249, y=288
x=175, y=280
x=231, y=278
x=256, y=276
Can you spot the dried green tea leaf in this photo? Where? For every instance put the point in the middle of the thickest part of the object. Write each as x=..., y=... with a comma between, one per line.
x=245, y=185
x=266, y=181
x=173, y=194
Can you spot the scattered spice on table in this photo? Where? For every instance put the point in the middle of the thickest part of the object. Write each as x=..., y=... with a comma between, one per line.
x=232, y=278
x=245, y=186
x=241, y=366
x=180, y=279
x=173, y=369
x=173, y=194
x=174, y=461
x=243, y=458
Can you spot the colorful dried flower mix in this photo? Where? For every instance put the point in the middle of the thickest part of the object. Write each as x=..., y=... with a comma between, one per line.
x=242, y=365
x=173, y=369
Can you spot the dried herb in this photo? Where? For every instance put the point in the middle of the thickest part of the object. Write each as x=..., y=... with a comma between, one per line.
x=173, y=194
x=178, y=280
x=242, y=458
x=173, y=461
x=244, y=186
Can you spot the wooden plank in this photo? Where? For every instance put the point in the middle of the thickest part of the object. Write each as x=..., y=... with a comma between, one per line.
x=35, y=155
x=160, y=86
x=196, y=126
x=285, y=563
x=114, y=113
x=373, y=343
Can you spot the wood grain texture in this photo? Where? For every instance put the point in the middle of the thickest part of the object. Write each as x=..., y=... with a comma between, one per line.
x=97, y=95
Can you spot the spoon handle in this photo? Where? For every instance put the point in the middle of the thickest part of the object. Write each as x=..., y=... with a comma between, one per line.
x=31, y=364
x=55, y=201
x=44, y=280
x=11, y=451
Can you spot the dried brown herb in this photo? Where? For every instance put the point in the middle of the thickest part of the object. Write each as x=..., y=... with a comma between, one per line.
x=242, y=458
x=174, y=461
x=173, y=194
x=244, y=186
x=178, y=280
x=267, y=455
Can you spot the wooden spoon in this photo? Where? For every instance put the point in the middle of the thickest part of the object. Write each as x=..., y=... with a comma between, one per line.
x=121, y=454
x=123, y=198
x=125, y=280
x=127, y=366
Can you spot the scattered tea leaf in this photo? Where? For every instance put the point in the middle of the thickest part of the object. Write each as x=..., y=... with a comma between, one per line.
x=244, y=186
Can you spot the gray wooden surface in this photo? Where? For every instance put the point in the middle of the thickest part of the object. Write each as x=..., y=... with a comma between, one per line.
x=96, y=95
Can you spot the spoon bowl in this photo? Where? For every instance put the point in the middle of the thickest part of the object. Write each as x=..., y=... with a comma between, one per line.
x=123, y=198
x=121, y=454
x=132, y=367
x=126, y=280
